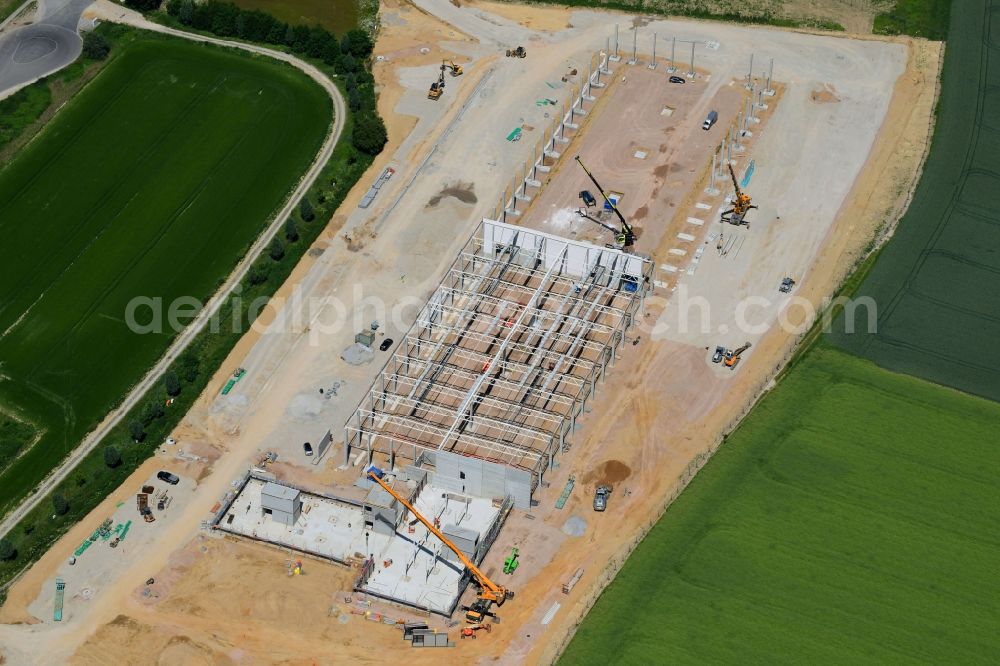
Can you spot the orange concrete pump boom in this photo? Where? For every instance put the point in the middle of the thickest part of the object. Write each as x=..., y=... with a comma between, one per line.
x=489, y=590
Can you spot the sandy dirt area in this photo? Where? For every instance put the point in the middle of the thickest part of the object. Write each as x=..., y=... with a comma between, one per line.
x=660, y=413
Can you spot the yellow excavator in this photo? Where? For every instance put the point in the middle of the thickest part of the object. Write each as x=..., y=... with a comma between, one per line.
x=741, y=204
x=437, y=88
x=489, y=592
x=456, y=70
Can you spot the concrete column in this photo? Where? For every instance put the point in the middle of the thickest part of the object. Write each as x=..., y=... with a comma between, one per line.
x=691, y=72
x=750, y=74
x=615, y=57
x=635, y=33
x=673, y=53
x=571, y=123
x=769, y=91
x=712, y=189
x=652, y=65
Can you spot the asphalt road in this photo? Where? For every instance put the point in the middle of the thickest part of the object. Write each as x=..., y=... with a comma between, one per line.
x=30, y=52
x=109, y=11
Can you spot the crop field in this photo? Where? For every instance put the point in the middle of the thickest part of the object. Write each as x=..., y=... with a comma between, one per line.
x=934, y=283
x=338, y=16
x=152, y=182
x=852, y=518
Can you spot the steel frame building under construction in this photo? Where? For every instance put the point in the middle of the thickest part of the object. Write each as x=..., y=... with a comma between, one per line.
x=501, y=360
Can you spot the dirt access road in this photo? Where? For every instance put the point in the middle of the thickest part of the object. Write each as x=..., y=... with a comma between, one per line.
x=657, y=417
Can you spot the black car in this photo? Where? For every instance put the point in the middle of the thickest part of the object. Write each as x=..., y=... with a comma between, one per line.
x=167, y=477
x=308, y=448
x=588, y=198
x=385, y=344
x=677, y=79
x=786, y=285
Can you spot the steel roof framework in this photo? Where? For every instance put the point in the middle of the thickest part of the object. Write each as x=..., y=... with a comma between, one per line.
x=503, y=357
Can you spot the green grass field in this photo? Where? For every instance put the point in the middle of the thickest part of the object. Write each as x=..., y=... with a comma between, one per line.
x=337, y=16
x=938, y=312
x=152, y=182
x=920, y=18
x=852, y=518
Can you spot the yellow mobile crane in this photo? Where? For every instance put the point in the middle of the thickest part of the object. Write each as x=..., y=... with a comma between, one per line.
x=489, y=592
x=741, y=204
x=625, y=238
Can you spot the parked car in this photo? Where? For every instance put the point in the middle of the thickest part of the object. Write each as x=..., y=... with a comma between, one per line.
x=385, y=344
x=588, y=198
x=710, y=120
x=601, y=498
x=786, y=285
x=167, y=477
x=719, y=353
x=308, y=448
x=677, y=79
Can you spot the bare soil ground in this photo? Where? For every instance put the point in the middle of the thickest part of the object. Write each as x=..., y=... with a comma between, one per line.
x=657, y=417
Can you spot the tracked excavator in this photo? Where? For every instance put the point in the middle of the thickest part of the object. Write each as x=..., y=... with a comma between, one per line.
x=489, y=592
x=733, y=357
x=624, y=237
x=741, y=204
x=456, y=70
x=437, y=88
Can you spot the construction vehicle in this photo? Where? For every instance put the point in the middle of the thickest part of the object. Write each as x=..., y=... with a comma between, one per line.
x=456, y=70
x=601, y=497
x=519, y=52
x=437, y=88
x=625, y=237
x=470, y=630
x=786, y=285
x=489, y=592
x=733, y=357
x=511, y=564
x=741, y=204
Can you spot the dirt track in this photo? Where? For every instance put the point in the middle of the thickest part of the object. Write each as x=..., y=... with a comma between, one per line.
x=656, y=418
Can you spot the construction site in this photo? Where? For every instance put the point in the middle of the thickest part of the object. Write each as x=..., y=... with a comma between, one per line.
x=481, y=465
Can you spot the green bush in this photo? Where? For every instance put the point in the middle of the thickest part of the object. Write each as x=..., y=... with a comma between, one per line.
x=60, y=504
x=306, y=210
x=95, y=45
x=171, y=384
x=112, y=458
x=136, y=430
x=276, y=250
x=291, y=231
x=369, y=135
x=7, y=550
